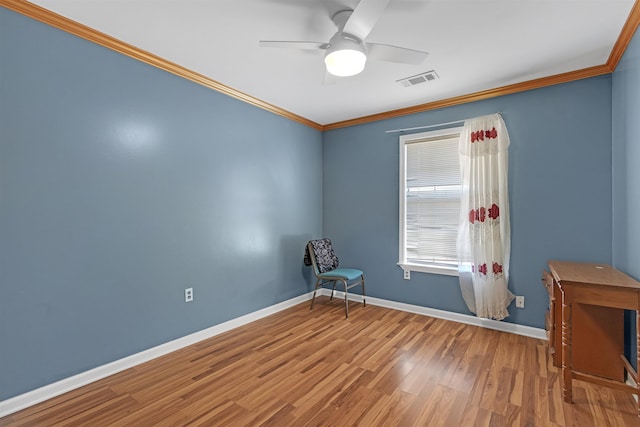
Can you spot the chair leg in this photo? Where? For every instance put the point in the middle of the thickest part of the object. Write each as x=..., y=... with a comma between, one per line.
x=333, y=290
x=364, y=301
x=346, y=300
x=314, y=295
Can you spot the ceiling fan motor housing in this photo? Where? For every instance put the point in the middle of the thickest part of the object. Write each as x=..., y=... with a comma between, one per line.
x=346, y=55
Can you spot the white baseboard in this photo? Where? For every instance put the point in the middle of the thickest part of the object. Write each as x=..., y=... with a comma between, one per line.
x=512, y=328
x=41, y=394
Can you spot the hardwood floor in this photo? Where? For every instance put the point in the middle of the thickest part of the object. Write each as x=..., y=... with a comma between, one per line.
x=379, y=368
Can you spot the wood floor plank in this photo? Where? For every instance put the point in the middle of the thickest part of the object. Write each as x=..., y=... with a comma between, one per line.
x=380, y=367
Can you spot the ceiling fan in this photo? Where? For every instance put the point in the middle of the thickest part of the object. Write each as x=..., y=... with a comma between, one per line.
x=346, y=52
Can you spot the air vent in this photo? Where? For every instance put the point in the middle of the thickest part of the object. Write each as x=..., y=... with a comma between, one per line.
x=418, y=79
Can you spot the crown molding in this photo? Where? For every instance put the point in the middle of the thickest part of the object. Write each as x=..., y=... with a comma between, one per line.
x=626, y=34
x=65, y=24
x=477, y=96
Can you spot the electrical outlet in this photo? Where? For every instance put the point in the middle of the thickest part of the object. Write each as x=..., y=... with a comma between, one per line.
x=520, y=301
x=188, y=295
x=407, y=274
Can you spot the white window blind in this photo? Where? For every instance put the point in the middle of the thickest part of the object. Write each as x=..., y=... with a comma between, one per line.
x=430, y=187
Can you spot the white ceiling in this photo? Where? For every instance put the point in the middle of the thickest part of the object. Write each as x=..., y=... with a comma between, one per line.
x=474, y=45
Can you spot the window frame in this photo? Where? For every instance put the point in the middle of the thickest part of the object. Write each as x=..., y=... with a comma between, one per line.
x=402, y=259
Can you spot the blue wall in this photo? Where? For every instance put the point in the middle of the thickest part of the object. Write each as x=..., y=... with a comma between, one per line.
x=120, y=186
x=626, y=158
x=559, y=185
x=626, y=173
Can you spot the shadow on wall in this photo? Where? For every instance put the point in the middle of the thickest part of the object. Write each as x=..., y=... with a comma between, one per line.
x=292, y=254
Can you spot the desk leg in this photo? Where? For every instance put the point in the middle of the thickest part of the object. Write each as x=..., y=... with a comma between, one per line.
x=567, y=387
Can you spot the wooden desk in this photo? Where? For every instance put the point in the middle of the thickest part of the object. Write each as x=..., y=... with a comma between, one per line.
x=598, y=285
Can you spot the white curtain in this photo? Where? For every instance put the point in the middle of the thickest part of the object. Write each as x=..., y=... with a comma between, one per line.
x=484, y=238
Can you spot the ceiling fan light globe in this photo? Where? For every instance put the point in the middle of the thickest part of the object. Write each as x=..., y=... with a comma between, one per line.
x=345, y=62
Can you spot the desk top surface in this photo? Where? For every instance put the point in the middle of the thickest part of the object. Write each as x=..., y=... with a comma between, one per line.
x=592, y=274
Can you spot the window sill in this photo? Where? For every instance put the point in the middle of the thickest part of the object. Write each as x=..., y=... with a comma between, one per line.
x=447, y=271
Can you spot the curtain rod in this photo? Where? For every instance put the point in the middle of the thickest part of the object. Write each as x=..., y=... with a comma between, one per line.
x=429, y=126
x=424, y=127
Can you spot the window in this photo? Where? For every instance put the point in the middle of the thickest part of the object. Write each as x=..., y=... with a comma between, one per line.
x=430, y=190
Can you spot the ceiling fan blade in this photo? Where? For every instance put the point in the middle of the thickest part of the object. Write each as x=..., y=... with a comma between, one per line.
x=364, y=17
x=293, y=44
x=385, y=52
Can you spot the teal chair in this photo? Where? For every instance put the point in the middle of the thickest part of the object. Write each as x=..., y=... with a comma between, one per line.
x=320, y=255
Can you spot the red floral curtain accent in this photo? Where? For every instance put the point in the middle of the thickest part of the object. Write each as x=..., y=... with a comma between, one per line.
x=484, y=234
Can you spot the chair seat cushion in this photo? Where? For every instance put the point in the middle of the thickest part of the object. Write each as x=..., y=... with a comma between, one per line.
x=342, y=273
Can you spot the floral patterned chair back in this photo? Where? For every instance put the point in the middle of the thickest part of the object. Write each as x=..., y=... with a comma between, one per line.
x=326, y=259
